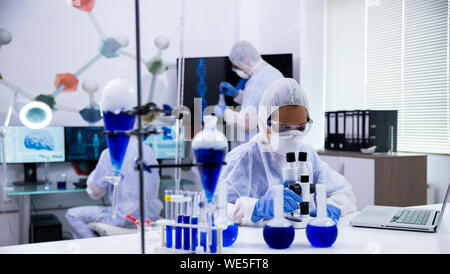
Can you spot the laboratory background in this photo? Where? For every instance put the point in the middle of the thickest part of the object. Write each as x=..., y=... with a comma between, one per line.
x=373, y=76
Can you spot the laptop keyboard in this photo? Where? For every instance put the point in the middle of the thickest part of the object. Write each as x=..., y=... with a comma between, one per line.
x=405, y=216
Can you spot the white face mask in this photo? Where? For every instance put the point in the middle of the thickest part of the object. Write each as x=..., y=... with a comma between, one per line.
x=285, y=142
x=240, y=73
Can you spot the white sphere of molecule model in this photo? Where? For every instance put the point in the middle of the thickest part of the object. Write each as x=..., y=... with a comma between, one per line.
x=162, y=42
x=90, y=86
x=5, y=37
x=123, y=41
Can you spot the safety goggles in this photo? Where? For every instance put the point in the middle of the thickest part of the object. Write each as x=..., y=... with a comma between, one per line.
x=280, y=127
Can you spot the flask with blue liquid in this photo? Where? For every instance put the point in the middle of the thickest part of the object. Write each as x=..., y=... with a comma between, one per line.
x=321, y=231
x=231, y=232
x=278, y=233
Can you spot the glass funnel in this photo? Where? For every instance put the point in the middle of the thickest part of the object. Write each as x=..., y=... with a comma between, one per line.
x=210, y=147
x=117, y=96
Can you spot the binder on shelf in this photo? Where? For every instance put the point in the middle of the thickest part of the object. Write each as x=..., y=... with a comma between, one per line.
x=381, y=130
x=366, y=136
x=340, y=130
x=348, y=145
x=332, y=130
x=355, y=130
x=326, y=130
x=360, y=127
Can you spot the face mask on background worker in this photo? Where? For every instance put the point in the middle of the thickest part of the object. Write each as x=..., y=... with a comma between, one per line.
x=240, y=73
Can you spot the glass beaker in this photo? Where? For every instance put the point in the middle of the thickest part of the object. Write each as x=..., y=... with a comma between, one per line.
x=61, y=181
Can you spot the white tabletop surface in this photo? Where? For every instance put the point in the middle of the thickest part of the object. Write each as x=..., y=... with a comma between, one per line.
x=351, y=240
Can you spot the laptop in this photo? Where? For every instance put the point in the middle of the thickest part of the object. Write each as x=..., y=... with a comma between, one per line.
x=401, y=218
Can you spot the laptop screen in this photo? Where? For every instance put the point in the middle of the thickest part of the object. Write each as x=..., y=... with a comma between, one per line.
x=443, y=206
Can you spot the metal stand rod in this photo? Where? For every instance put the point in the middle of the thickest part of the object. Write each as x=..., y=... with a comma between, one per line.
x=141, y=172
x=141, y=165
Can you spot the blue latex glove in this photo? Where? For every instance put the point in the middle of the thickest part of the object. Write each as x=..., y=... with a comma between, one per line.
x=228, y=89
x=241, y=84
x=333, y=213
x=264, y=205
x=219, y=111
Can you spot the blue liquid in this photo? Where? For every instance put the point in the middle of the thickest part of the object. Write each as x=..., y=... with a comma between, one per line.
x=278, y=237
x=61, y=185
x=230, y=235
x=186, y=232
x=203, y=240
x=213, y=246
x=209, y=175
x=178, y=234
x=194, y=221
x=321, y=236
x=169, y=237
x=118, y=143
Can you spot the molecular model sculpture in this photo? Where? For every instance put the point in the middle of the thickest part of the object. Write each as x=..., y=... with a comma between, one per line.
x=109, y=47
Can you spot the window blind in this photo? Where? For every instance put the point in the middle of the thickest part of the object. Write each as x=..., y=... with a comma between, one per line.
x=392, y=54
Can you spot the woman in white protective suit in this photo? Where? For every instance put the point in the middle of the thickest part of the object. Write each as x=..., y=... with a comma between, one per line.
x=127, y=195
x=247, y=64
x=253, y=167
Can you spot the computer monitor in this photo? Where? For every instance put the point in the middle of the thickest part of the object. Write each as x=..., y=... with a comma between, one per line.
x=31, y=146
x=204, y=74
x=84, y=143
x=25, y=145
x=164, y=147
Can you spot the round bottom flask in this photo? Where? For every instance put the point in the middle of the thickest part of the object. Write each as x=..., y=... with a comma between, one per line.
x=278, y=233
x=321, y=232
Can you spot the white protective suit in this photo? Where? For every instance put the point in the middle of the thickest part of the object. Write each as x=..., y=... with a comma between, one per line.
x=252, y=168
x=127, y=196
x=261, y=75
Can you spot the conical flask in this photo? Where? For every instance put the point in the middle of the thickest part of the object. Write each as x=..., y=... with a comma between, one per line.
x=210, y=147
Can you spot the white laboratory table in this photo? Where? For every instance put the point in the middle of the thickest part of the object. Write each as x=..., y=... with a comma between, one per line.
x=351, y=240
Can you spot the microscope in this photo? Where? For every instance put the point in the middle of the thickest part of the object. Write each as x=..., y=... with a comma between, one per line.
x=296, y=177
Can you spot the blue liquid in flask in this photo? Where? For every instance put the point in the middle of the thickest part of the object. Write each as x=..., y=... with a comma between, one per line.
x=118, y=143
x=230, y=235
x=278, y=237
x=321, y=236
x=209, y=175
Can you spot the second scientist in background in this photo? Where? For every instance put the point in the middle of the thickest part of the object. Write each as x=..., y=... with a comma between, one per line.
x=127, y=196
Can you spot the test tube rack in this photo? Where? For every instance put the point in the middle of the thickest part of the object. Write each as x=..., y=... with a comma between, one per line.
x=200, y=227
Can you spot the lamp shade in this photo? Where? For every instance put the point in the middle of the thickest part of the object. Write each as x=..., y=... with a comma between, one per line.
x=36, y=115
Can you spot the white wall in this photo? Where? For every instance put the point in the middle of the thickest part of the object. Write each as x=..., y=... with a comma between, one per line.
x=312, y=71
x=438, y=175
x=49, y=37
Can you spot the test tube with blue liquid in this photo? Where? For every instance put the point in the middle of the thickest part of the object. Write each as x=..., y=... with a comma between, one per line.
x=168, y=207
x=187, y=209
x=194, y=219
x=178, y=232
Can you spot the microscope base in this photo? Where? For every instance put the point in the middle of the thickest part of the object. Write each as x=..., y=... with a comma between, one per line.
x=298, y=223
